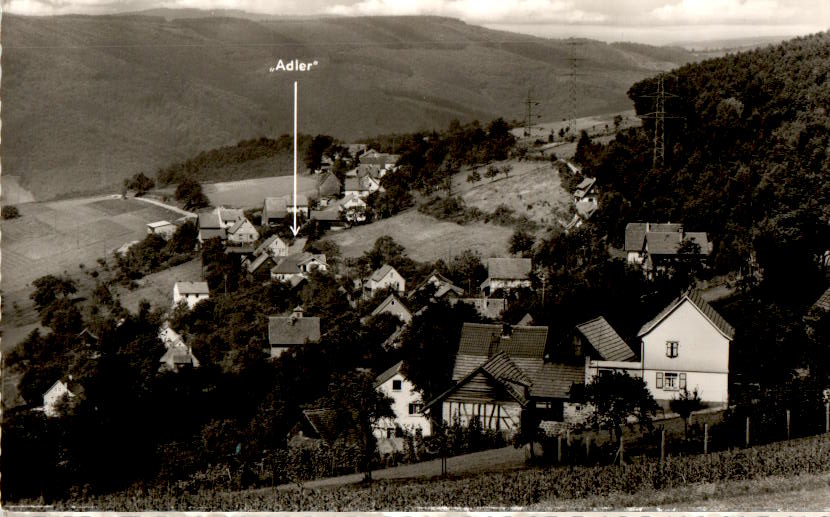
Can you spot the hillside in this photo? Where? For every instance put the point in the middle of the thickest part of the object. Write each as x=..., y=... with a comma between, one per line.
x=90, y=100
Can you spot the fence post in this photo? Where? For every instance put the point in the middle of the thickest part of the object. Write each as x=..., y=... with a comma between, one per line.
x=662, y=445
x=705, y=438
x=788, y=424
x=622, y=461
x=747, y=431
x=559, y=449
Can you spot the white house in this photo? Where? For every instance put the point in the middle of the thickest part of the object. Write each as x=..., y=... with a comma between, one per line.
x=294, y=268
x=164, y=229
x=177, y=358
x=393, y=305
x=190, y=292
x=687, y=346
x=242, y=232
x=385, y=276
x=54, y=396
x=407, y=404
x=354, y=208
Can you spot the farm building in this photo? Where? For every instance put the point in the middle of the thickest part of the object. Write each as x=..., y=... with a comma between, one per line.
x=177, y=358
x=406, y=404
x=273, y=246
x=443, y=287
x=655, y=245
x=190, y=293
x=295, y=268
x=211, y=227
x=287, y=331
x=164, y=229
x=501, y=370
x=329, y=187
x=504, y=274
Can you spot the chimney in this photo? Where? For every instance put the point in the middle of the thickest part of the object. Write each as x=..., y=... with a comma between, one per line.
x=648, y=226
x=506, y=331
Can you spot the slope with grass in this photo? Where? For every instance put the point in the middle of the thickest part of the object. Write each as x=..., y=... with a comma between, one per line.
x=90, y=100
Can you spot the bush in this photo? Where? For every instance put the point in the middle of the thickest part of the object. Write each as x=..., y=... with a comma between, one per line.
x=10, y=212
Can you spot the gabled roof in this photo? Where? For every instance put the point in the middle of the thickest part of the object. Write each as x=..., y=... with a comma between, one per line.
x=388, y=374
x=193, y=287
x=266, y=243
x=389, y=300
x=486, y=339
x=586, y=183
x=329, y=215
x=293, y=330
x=823, y=302
x=605, y=340
x=229, y=215
x=509, y=268
x=239, y=224
x=668, y=243
x=212, y=233
x=443, y=285
x=289, y=265
x=329, y=185
x=695, y=298
x=635, y=233
x=306, y=257
x=381, y=272
x=209, y=220
x=178, y=356
x=258, y=262
x=354, y=184
x=527, y=320
x=275, y=207
x=324, y=423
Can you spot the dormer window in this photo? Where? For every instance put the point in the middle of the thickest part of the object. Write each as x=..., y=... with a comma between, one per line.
x=671, y=348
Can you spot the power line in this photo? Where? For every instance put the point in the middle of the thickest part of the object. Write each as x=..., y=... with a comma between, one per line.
x=659, y=115
x=529, y=116
x=573, y=65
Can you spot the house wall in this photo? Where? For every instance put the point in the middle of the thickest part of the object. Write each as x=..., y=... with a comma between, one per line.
x=500, y=416
x=396, y=308
x=712, y=387
x=703, y=353
x=278, y=248
x=402, y=398
x=52, y=397
x=393, y=279
x=635, y=257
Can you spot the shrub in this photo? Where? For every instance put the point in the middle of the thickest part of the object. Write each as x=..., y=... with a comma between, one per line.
x=10, y=212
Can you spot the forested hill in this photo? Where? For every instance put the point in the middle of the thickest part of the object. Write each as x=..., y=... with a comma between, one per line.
x=747, y=156
x=95, y=99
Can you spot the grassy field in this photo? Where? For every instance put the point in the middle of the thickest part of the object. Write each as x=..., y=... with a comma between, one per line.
x=250, y=193
x=532, y=188
x=157, y=288
x=425, y=238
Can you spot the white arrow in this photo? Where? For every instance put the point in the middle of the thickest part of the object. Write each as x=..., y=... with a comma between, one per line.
x=294, y=227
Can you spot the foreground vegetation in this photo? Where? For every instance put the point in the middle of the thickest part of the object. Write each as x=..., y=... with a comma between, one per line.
x=502, y=490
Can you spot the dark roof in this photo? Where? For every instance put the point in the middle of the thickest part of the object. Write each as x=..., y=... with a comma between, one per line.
x=605, y=340
x=258, y=262
x=212, y=233
x=332, y=214
x=697, y=300
x=381, y=272
x=325, y=425
x=823, y=302
x=237, y=225
x=329, y=185
x=635, y=233
x=293, y=330
x=289, y=265
x=388, y=374
x=193, y=287
x=354, y=184
x=209, y=220
x=509, y=268
x=275, y=208
x=486, y=340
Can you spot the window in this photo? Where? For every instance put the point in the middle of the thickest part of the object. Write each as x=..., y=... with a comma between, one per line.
x=396, y=385
x=671, y=381
x=415, y=408
x=671, y=348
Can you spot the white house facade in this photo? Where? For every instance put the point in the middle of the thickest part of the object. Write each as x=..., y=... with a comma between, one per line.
x=385, y=276
x=406, y=404
x=687, y=346
x=190, y=293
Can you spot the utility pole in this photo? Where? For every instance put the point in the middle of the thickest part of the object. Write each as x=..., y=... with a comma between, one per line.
x=573, y=61
x=659, y=116
x=529, y=117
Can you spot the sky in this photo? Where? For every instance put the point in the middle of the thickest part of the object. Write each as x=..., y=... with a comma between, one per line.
x=645, y=21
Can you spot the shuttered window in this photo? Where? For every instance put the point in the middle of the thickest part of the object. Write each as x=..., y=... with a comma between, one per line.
x=682, y=381
x=659, y=380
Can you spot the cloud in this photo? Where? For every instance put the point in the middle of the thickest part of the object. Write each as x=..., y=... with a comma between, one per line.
x=477, y=11
x=722, y=11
